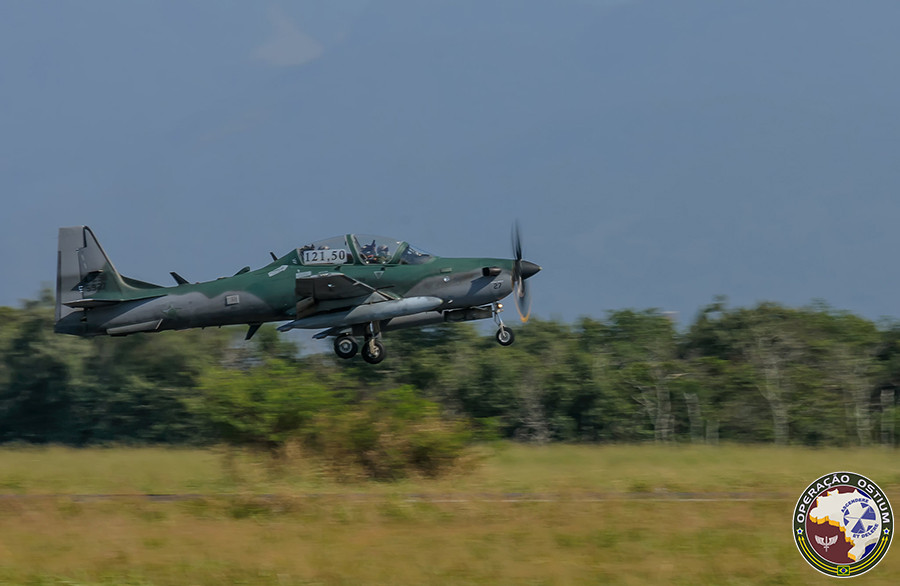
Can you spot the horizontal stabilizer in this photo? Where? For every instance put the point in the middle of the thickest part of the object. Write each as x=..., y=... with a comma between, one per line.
x=91, y=303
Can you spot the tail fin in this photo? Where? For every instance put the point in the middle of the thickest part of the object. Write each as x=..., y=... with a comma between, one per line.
x=85, y=276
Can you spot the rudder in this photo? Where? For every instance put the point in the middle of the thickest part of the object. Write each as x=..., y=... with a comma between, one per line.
x=83, y=271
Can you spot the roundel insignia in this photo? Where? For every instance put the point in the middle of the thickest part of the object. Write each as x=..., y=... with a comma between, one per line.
x=843, y=524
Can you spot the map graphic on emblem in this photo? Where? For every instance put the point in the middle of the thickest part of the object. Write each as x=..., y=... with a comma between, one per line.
x=843, y=524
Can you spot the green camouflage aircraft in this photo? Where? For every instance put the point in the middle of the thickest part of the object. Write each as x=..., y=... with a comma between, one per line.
x=350, y=287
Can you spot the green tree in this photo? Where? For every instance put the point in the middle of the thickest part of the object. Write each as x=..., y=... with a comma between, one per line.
x=263, y=406
x=643, y=347
x=42, y=377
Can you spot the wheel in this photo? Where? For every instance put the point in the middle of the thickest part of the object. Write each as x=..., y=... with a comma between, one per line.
x=345, y=346
x=373, y=351
x=505, y=336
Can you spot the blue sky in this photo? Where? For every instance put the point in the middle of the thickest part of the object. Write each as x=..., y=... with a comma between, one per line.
x=656, y=153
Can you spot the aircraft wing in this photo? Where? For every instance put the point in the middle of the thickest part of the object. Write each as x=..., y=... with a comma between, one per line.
x=320, y=304
x=335, y=286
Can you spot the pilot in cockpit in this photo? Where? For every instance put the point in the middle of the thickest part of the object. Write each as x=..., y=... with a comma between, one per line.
x=384, y=254
x=368, y=252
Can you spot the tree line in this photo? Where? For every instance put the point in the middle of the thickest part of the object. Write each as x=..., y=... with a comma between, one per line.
x=811, y=375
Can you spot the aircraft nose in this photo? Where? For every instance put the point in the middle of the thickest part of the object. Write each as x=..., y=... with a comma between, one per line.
x=529, y=269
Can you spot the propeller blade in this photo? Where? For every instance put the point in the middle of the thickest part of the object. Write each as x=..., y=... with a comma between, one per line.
x=523, y=300
x=517, y=242
x=520, y=289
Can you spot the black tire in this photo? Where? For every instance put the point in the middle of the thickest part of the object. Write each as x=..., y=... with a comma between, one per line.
x=505, y=336
x=345, y=347
x=373, y=355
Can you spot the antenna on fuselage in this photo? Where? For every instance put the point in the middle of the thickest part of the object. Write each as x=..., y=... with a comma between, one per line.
x=178, y=278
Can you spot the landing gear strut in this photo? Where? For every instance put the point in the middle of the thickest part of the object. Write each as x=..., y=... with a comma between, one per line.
x=373, y=350
x=504, y=335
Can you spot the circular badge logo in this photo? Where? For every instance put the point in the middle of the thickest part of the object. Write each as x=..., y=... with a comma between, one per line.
x=843, y=524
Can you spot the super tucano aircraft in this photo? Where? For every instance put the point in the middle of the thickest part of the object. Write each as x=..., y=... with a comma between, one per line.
x=350, y=287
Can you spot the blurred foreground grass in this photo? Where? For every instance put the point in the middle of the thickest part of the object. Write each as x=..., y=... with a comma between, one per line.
x=259, y=522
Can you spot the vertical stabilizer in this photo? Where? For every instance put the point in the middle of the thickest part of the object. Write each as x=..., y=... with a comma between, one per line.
x=83, y=271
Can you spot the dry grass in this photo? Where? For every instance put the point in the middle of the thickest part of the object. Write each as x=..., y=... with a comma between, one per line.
x=318, y=532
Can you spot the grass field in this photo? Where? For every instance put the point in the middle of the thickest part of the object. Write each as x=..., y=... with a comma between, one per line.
x=517, y=515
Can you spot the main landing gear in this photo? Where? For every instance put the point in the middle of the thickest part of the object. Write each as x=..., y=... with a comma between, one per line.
x=373, y=351
x=345, y=346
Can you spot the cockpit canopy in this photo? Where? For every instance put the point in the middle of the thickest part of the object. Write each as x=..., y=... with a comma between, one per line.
x=361, y=249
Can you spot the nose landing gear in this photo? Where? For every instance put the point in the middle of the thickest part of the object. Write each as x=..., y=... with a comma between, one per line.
x=504, y=336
